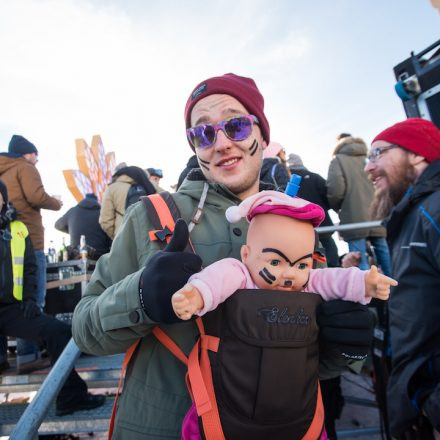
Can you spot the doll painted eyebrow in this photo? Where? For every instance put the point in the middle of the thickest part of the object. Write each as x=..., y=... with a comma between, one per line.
x=276, y=251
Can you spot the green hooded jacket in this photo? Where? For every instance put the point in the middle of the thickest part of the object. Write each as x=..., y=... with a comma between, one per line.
x=349, y=192
x=109, y=318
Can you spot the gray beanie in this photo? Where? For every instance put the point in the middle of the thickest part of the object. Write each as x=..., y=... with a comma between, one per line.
x=294, y=161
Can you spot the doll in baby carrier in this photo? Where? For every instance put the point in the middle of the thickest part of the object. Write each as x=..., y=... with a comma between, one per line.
x=264, y=366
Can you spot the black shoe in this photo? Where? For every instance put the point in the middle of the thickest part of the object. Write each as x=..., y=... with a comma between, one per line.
x=89, y=401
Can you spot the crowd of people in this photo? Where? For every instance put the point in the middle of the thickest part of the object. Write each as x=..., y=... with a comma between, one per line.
x=140, y=282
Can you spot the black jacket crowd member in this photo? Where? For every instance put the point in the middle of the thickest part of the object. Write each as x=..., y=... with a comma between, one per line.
x=20, y=316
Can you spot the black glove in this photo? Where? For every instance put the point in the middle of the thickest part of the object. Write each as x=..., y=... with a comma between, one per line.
x=30, y=309
x=166, y=272
x=345, y=329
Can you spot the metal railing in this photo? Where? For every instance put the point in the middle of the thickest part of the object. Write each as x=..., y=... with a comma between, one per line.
x=36, y=411
x=349, y=227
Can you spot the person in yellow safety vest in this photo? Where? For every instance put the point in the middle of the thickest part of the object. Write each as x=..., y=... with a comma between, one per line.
x=20, y=316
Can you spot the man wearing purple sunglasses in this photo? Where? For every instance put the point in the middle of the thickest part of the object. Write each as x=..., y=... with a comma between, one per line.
x=130, y=291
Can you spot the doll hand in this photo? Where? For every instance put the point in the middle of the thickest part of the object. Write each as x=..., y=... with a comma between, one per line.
x=187, y=301
x=378, y=285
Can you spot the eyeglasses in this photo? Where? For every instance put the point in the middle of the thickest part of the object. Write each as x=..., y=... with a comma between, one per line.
x=375, y=153
x=237, y=128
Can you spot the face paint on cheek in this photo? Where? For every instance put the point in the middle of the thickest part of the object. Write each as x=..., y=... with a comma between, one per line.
x=204, y=163
x=307, y=282
x=267, y=276
x=253, y=148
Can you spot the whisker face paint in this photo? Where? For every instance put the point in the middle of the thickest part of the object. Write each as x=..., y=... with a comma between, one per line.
x=254, y=147
x=267, y=276
x=204, y=163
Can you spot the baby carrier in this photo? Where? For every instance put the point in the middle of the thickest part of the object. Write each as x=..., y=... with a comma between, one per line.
x=253, y=372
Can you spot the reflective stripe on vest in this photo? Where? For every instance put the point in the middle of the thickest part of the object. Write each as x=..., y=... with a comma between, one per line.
x=19, y=233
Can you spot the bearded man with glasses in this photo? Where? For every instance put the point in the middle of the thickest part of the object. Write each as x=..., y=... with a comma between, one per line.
x=131, y=288
x=404, y=167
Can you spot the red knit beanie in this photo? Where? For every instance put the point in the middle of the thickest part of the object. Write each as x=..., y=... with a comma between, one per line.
x=415, y=134
x=241, y=88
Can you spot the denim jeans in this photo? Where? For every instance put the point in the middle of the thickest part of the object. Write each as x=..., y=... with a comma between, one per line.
x=27, y=351
x=382, y=252
x=360, y=246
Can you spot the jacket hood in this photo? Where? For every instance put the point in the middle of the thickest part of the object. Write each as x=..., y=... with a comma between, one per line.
x=192, y=162
x=271, y=160
x=351, y=146
x=193, y=187
x=8, y=161
x=89, y=204
x=124, y=178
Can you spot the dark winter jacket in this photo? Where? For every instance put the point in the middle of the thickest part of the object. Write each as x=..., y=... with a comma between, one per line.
x=349, y=191
x=313, y=188
x=29, y=269
x=275, y=173
x=414, y=307
x=109, y=318
x=191, y=164
x=82, y=219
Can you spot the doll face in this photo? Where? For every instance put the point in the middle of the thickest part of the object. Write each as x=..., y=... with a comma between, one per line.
x=278, y=252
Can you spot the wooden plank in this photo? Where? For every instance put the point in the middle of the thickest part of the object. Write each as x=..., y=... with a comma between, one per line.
x=72, y=280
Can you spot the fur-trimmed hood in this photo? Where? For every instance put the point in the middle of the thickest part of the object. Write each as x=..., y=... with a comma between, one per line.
x=351, y=146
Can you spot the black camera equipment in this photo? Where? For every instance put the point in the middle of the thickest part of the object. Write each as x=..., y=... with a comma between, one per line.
x=418, y=84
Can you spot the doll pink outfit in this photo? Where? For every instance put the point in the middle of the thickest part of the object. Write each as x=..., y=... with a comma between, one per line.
x=218, y=281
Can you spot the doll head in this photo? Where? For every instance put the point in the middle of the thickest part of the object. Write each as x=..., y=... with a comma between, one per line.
x=280, y=242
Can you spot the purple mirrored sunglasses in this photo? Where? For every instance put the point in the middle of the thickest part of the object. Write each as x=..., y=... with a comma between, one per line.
x=237, y=128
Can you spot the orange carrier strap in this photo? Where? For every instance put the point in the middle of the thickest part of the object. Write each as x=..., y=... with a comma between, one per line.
x=202, y=387
x=163, y=212
x=315, y=428
x=128, y=355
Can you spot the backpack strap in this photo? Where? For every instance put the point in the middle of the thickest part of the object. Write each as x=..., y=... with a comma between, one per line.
x=162, y=212
x=272, y=174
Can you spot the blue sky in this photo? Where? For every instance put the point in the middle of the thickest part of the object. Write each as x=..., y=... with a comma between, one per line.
x=124, y=69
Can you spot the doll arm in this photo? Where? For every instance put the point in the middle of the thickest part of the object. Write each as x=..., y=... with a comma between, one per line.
x=351, y=284
x=377, y=285
x=338, y=283
x=210, y=287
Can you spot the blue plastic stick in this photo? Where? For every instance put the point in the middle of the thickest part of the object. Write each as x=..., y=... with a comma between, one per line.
x=293, y=186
